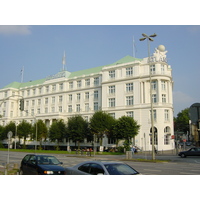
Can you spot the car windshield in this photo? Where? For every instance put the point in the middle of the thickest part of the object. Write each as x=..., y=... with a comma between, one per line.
x=47, y=160
x=120, y=169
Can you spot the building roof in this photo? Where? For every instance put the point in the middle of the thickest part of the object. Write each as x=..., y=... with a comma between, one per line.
x=94, y=70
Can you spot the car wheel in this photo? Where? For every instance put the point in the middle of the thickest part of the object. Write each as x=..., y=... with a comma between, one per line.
x=183, y=155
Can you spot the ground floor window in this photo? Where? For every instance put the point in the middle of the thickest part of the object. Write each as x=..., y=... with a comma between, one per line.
x=166, y=139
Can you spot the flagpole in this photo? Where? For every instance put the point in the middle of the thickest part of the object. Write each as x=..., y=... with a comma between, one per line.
x=64, y=61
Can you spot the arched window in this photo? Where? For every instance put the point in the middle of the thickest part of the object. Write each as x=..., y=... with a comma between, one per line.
x=155, y=135
x=167, y=135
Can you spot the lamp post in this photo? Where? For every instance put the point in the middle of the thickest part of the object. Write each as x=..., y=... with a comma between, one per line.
x=149, y=38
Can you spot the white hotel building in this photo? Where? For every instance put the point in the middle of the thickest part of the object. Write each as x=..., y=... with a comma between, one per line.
x=121, y=88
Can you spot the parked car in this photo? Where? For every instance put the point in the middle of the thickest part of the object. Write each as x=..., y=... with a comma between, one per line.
x=33, y=164
x=101, y=168
x=191, y=152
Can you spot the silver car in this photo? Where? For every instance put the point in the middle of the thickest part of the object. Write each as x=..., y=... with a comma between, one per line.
x=101, y=168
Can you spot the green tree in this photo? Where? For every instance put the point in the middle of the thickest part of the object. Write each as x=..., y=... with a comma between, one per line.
x=42, y=132
x=24, y=129
x=11, y=126
x=101, y=123
x=77, y=129
x=57, y=132
x=3, y=134
x=126, y=128
x=181, y=122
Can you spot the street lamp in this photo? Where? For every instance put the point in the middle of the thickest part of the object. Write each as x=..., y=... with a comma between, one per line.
x=149, y=38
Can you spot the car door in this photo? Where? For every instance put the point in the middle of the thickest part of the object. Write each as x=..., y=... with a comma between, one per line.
x=24, y=164
x=32, y=165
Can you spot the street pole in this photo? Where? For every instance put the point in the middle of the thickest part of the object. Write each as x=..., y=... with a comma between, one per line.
x=149, y=38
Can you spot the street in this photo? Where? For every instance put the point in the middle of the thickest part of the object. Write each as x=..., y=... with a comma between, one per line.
x=177, y=165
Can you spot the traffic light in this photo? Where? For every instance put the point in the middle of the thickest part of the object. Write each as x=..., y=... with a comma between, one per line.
x=21, y=105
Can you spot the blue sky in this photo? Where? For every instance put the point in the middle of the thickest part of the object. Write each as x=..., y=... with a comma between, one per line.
x=39, y=49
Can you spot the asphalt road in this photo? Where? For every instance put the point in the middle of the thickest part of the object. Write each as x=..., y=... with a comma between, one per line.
x=177, y=165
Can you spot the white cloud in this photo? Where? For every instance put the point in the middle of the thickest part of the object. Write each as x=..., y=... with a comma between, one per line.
x=15, y=30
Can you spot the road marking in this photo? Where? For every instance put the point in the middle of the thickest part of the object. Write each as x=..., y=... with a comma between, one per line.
x=196, y=161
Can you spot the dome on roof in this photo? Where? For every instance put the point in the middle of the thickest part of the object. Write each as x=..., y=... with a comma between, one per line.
x=161, y=48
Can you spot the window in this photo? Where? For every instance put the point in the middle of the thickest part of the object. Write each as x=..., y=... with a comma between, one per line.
x=28, y=92
x=129, y=87
x=163, y=98
x=87, y=96
x=60, y=108
x=129, y=71
x=87, y=82
x=61, y=86
x=34, y=92
x=166, y=115
x=96, y=81
x=70, y=108
x=46, y=101
x=154, y=98
x=53, y=109
x=70, y=97
x=129, y=100
x=96, y=106
x=70, y=85
x=38, y=111
x=154, y=85
x=112, y=102
x=78, y=97
x=78, y=108
x=60, y=99
x=47, y=89
x=154, y=115
x=79, y=84
x=153, y=69
x=112, y=74
x=163, y=85
x=40, y=90
x=162, y=69
x=96, y=94
x=53, y=88
x=111, y=89
x=129, y=114
x=53, y=100
x=46, y=110
x=166, y=139
x=33, y=102
x=39, y=101
x=87, y=107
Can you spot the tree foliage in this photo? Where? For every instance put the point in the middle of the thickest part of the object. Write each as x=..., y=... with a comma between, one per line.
x=101, y=123
x=126, y=128
x=77, y=129
x=42, y=131
x=24, y=129
x=57, y=131
x=181, y=122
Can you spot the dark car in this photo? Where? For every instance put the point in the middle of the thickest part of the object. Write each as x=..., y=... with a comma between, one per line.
x=191, y=152
x=101, y=168
x=33, y=164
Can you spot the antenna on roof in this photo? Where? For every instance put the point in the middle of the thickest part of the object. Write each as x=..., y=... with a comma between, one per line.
x=22, y=74
x=64, y=61
x=134, y=48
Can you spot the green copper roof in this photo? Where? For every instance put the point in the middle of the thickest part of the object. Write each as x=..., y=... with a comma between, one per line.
x=94, y=70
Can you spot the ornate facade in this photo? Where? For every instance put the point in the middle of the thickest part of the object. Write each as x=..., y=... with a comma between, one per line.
x=121, y=88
